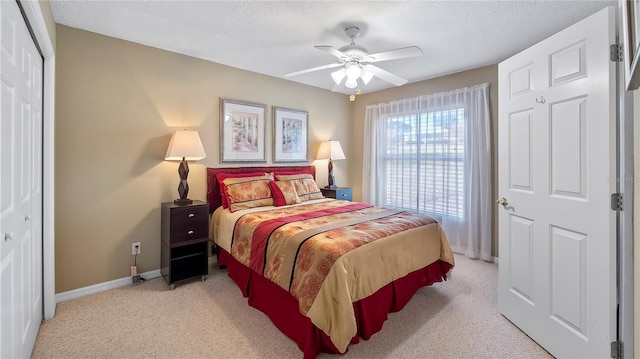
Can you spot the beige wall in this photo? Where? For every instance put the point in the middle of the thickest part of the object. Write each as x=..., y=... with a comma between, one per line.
x=117, y=104
x=441, y=84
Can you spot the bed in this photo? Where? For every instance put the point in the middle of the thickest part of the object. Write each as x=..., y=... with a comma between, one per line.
x=326, y=272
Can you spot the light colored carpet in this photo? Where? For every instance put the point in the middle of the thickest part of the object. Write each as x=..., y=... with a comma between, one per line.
x=211, y=319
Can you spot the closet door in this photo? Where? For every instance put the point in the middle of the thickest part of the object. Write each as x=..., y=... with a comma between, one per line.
x=20, y=185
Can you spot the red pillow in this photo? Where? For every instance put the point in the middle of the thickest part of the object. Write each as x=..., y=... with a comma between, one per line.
x=278, y=197
x=223, y=189
x=283, y=193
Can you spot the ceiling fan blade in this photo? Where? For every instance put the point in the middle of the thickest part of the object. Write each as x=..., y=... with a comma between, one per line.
x=385, y=75
x=330, y=66
x=331, y=51
x=411, y=51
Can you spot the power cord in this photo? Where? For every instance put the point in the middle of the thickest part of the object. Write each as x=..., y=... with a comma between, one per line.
x=135, y=258
x=136, y=278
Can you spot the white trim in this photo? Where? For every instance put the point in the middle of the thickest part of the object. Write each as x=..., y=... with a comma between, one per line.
x=34, y=15
x=626, y=184
x=101, y=287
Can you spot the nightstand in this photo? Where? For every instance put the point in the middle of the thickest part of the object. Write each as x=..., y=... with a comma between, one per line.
x=337, y=193
x=185, y=237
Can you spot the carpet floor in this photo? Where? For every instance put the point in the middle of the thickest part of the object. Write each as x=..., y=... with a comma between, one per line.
x=454, y=319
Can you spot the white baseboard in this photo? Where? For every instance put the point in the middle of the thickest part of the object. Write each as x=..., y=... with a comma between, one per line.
x=458, y=250
x=101, y=287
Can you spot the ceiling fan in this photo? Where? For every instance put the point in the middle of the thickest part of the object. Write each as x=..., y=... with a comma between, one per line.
x=356, y=62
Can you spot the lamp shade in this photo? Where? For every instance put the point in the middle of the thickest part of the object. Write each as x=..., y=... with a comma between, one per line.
x=185, y=144
x=331, y=150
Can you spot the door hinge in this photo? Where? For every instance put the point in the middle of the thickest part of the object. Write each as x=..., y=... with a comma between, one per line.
x=616, y=201
x=615, y=53
x=617, y=350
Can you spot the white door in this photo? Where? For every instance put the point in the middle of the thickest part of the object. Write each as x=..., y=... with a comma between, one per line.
x=557, y=232
x=20, y=185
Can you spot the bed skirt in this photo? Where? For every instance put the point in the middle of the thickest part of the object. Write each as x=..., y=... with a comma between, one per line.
x=371, y=312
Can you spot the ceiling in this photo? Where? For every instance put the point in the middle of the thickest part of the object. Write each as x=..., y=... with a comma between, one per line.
x=278, y=37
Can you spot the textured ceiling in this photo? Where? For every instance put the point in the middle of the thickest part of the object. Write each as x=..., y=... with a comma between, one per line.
x=277, y=37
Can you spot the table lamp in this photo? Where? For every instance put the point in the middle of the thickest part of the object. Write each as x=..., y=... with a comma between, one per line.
x=333, y=151
x=184, y=146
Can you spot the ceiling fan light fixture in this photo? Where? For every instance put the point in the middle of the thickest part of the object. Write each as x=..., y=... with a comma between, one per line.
x=366, y=76
x=353, y=71
x=351, y=83
x=338, y=76
x=354, y=63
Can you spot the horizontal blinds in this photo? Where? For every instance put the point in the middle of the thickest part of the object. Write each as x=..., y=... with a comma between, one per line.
x=423, y=162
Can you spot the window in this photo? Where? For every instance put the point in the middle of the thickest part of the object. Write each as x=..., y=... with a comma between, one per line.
x=432, y=154
x=422, y=159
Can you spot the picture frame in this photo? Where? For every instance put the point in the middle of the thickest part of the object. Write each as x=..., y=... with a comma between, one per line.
x=290, y=135
x=242, y=131
x=631, y=41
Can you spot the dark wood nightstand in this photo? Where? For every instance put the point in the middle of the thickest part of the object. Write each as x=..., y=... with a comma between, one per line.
x=337, y=193
x=185, y=237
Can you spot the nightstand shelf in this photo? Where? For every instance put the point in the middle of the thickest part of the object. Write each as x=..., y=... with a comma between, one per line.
x=337, y=193
x=184, y=249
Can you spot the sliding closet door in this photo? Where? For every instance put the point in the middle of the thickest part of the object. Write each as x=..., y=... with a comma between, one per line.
x=20, y=185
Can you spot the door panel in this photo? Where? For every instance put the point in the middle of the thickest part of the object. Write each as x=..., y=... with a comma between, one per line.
x=568, y=148
x=557, y=233
x=7, y=294
x=568, y=279
x=568, y=64
x=520, y=81
x=522, y=240
x=520, y=151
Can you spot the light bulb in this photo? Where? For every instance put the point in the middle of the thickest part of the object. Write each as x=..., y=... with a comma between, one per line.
x=353, y=71
x=351, y=83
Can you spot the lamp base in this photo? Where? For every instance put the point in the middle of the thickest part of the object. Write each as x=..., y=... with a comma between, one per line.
x=183, y=202
x=331, y=186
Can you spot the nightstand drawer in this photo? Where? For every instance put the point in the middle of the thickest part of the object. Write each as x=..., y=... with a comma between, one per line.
x=189, y=223
x=343, y=193
x=187, y=232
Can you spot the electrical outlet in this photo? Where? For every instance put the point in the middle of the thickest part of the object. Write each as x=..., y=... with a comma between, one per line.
x=136, y=248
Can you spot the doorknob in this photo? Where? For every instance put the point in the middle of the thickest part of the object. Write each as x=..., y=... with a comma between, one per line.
x=8, y=236
x=27, y=218
x=502, y=201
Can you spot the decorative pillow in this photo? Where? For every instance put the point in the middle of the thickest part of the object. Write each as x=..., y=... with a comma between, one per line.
x=304, y=184
x=248, y=192
x=223, y=189
x=283, y=193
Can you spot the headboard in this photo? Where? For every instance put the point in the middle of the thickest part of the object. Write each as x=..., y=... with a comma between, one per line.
x=214, y=198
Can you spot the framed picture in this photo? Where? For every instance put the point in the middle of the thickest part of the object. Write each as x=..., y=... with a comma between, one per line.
x=631, y=30
x=290, y=135
x=242, y=136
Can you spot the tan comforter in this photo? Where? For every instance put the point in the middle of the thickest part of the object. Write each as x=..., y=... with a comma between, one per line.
x=329, y=254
